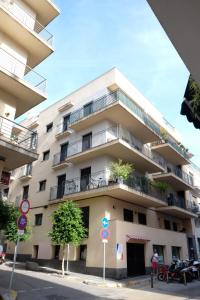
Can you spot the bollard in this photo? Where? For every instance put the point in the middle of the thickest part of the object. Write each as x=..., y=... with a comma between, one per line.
x=167, y=277
x=151, y=279
x=184, y=278
x=198, y=274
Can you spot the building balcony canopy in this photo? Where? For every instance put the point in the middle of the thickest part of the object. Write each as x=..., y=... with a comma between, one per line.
x=177, y=182
x=118, y=108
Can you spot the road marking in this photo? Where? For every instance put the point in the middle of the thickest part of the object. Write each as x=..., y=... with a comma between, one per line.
x=35, y=289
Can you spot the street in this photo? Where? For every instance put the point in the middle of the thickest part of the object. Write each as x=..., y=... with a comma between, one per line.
x=36, y=285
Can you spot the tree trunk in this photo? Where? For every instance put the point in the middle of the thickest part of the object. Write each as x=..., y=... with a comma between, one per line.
x=63, y=261
x=67, y=269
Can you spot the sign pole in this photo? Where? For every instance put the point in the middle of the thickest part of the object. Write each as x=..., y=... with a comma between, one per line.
x=104, y=261
x=14, y=262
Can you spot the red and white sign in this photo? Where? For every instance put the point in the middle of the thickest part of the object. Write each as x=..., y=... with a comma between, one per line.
x=25, y=207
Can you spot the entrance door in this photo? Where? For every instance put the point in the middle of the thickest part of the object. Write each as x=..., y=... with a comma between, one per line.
x=135, y=259
x=61, y=186
x=85, y=178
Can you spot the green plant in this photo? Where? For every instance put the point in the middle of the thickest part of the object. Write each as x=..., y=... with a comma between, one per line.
x=193, y=95
x=160, y=186
x=67, y=228
x=121, y=170
x=164, y=134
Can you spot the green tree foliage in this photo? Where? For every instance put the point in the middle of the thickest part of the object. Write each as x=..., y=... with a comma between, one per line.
x=11, y=226
x=67, y=227
x=4, y=214
x=194, y=96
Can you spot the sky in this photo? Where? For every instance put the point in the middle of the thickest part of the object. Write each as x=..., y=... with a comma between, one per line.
x=92, y=36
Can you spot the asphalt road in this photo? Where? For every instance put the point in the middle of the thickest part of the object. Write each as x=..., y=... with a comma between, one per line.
x=40, y=286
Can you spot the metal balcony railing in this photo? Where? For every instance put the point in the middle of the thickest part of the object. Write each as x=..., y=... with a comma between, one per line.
x=27, y=20
x=109, y=99
x=181, y=174
x=17, y=135
x=111, y=134
x=21, y=71
x=62, y=127
x=59, y=158
x=102, y=179
x=175, y=200
x=26, y=170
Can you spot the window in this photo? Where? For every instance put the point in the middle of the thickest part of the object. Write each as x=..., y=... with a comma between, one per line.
x=25, y=191
x=42, y=185
x=38, y=219
x=87, y=109
x=160, y=251
x=83, y=252
x=66, y=121
x=46, y=155
x=5, y=192
x=87, y=141
x=142, y=219
x=35, y=251
x=128, y=215
x=176, y=252
x=63, y=152
x=49, y=127
x=167, y=224
x=56, y=251
x=175, y=226
x=85, y=217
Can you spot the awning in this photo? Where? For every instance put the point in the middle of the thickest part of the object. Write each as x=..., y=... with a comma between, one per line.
x=137, y=237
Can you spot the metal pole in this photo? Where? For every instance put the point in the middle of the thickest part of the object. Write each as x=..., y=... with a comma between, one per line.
x=151, y=279
x=184, y=277
x=104, y=261
x=14, y=262
x=67, y=258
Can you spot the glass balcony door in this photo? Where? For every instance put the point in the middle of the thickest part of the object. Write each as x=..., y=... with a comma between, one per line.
x=61, y=186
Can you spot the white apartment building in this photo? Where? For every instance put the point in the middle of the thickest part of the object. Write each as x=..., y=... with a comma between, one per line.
x=78, y=138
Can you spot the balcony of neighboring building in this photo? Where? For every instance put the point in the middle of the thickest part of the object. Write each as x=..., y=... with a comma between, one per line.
x=17, y=144
x=59, y=161
x=116, y=142
x=176, y=178
x=25, y=29
x=26, y=172
x=172, y=151
x=116, y=107
x=177, y=207
x=135, y=190
x=26, y=86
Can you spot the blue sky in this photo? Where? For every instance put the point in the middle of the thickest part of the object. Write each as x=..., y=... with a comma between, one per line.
x=92, y=36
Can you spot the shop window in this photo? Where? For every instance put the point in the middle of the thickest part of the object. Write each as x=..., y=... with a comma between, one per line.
x=142, y=219
x=128, y=215
x=160, y=251
x=176, y=252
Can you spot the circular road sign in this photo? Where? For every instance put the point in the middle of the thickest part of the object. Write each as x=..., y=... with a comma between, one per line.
x=22, y=222
x=105, y=222
x=25, y=206
x=105, y=234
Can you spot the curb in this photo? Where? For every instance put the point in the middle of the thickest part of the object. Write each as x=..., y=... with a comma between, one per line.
x=9, y=296
x=102, y=284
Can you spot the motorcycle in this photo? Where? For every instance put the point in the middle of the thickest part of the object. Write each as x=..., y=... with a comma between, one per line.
x=177, y=271
x=2, y=258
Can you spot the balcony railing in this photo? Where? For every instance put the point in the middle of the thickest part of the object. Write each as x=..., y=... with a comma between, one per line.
x=62, y=127
x=26, y=171
x=27, y=20
x=17, y=135
x=110, y=134
x=175, y=200
x=21, y=71
x=101, y=179
x=109, y=99
x=181, y=174
x=59, y=158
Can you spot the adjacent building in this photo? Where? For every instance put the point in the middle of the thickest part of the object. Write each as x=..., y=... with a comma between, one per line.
x=78, y=138
x=24, y=43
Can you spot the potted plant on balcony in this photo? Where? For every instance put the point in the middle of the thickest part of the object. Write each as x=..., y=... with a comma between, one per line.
x=120, y=171
x=164, y=135
x=160, y=186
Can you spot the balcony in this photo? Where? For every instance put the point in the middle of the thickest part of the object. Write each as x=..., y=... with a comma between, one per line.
x=62, y=131
x=5, y=180
x=116, y=142
x=118, y=108
x=178, y=179
x=25, y=86
x=17, y=144
x=26, y=31
x=135, y=190
x=59, y=161
x=26, y=172
x=177, y=207
x=172, y=152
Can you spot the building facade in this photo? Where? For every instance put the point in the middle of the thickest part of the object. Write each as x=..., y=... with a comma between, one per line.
x=78, y=139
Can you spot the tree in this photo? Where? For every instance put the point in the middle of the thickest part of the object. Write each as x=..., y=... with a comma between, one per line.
x=67, y=228
x=4, y=214
x=11, y=226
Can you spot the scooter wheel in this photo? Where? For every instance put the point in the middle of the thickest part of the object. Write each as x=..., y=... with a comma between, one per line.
x=161, y=277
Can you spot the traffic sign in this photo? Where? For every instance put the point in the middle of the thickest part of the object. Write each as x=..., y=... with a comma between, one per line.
x=20, y=232
x=105, y=234
x=22, y=222
x=24, y=207
x=105, y=222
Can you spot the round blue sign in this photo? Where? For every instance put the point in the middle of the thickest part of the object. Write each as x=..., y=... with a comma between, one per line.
x=105, y=222
x=22, y=222
x=105, y=234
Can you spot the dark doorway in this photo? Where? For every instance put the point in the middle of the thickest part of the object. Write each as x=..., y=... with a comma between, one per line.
x=135, y=259
x=63, y=152
x=56, y=251
x=61, y=186
x=86, y=141
x=85, y=178
x=66, y=120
